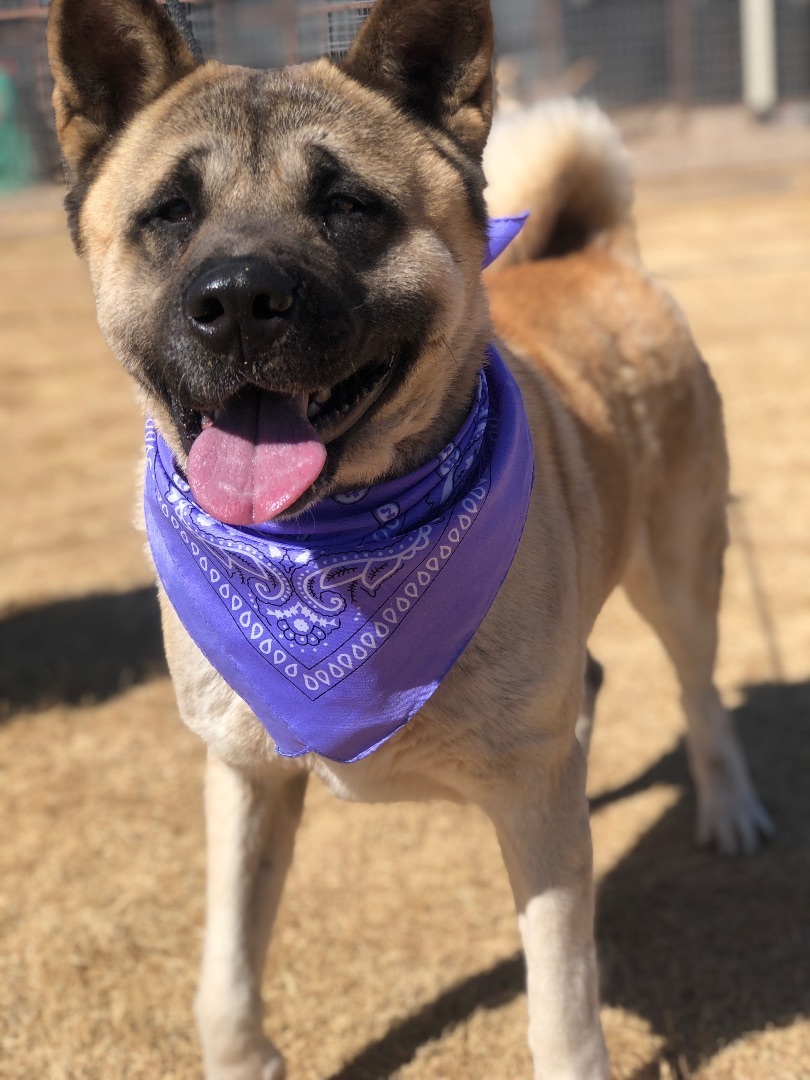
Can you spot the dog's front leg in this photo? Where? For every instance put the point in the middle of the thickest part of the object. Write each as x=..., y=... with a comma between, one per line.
x=541, y=817
x=251, y=824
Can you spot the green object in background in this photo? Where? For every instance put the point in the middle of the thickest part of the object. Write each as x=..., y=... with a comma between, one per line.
x=15, y=146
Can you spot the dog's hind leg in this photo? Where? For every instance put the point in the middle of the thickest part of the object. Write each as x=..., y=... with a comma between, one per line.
x=540, y=813
x=251, y=824
x=674, y=580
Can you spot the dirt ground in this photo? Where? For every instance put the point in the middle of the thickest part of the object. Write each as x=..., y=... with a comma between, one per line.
x=396, y=952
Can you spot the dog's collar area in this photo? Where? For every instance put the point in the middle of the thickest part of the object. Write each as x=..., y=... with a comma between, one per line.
x=336, y=629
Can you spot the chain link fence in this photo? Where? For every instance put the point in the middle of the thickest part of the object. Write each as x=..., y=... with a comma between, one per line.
x=620, y=52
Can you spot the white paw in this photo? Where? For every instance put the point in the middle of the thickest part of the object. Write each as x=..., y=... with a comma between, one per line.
x=274, y=1067
x=262, y=1063
x=730, y=815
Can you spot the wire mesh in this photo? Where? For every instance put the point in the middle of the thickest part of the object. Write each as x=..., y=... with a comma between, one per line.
x=628, y=45
x=620, y=52
x=266, y=35
x=793, y=48
x=717, y=51
x=632, y=51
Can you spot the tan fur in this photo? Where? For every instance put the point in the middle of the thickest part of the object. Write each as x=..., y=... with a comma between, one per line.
x=631, y=475
x=438, y=255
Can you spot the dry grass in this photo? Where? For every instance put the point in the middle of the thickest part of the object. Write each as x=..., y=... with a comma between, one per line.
x=396, y=952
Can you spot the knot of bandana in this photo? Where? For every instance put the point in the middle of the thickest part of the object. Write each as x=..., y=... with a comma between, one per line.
x=336, y=628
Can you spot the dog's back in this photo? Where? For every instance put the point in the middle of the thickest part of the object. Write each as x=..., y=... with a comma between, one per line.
x=573, y=302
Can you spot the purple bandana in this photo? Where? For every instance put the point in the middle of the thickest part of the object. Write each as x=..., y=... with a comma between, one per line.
x=336, y=628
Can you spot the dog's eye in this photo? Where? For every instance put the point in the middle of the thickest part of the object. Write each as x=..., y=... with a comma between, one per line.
x=175, y=211
x=341, y=205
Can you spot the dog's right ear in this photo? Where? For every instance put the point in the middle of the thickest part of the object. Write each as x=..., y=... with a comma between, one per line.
x=109, y=59
x=434, y=59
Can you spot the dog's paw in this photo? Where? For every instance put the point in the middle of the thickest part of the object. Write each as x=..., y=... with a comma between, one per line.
x=263, y=1063
x=273, y=1068
x=730, y=816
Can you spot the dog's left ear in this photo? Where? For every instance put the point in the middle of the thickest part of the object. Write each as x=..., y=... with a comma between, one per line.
x=434, y=58
x=109, y=59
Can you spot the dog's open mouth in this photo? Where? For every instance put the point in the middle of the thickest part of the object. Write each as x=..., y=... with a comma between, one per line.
x=258, y=452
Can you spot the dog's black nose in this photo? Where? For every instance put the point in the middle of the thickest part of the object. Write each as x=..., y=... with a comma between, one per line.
x=246, y=298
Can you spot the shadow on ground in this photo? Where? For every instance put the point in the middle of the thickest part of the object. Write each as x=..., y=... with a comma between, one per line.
x=79, y=651
x=707, y=948
x=489, y=989
x=703, y=947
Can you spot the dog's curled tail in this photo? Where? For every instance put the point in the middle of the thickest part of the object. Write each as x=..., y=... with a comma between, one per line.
x=565, y=163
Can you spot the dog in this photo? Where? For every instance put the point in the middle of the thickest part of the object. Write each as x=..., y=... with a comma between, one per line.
x=303, y=249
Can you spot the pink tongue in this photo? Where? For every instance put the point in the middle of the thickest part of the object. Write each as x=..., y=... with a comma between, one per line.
x=258, y=456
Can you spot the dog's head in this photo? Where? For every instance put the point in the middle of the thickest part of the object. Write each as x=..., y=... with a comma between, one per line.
x=287, y=262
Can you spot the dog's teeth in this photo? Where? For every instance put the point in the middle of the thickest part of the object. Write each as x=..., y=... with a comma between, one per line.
x=322, y=396
x=314, y=409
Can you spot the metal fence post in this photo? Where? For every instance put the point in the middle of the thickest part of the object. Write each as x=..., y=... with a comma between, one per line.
x=759, y=56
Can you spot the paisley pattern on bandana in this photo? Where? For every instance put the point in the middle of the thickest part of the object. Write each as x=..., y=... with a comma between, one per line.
x=318, y=611
x=335, y=628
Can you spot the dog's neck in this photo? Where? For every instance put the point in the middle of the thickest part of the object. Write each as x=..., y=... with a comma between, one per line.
x=334, y=627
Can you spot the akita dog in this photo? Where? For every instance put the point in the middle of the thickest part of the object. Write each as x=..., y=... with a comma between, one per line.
x=386, y=503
